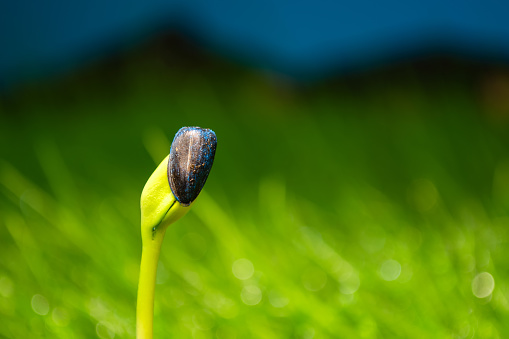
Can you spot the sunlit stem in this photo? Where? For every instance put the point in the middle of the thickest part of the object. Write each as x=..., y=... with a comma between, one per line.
x=159, y=209
x=146, y=285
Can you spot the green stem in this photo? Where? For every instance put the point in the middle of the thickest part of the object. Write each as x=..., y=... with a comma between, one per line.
x=146, y=285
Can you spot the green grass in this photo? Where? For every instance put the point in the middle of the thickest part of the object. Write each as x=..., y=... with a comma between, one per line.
x=329, y=212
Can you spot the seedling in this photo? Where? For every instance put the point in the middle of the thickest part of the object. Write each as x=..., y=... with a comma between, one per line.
x=167, y=196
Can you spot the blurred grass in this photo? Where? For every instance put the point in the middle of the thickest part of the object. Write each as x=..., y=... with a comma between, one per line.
x=329, y=212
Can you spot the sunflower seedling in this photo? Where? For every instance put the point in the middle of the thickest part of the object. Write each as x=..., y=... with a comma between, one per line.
x=167, y=196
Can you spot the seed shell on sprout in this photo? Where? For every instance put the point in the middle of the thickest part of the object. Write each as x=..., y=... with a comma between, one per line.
x=191, y=157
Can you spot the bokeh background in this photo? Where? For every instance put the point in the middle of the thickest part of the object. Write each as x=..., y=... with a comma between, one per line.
x=360, y=187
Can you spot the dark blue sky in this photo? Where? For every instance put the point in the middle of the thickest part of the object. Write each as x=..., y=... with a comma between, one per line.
x=298, y=38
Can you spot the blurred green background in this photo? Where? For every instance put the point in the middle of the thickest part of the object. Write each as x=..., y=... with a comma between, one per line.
x=371, y=206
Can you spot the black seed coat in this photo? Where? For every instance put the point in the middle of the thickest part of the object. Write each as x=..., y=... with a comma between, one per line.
x=191, y=157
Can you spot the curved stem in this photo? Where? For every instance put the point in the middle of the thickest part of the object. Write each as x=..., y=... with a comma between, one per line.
x=146, y=285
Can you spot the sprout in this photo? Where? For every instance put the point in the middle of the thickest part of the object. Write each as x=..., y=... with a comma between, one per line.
x=166, y=197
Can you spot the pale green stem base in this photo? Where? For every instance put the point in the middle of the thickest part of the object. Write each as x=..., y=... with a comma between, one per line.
x=146, y=285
